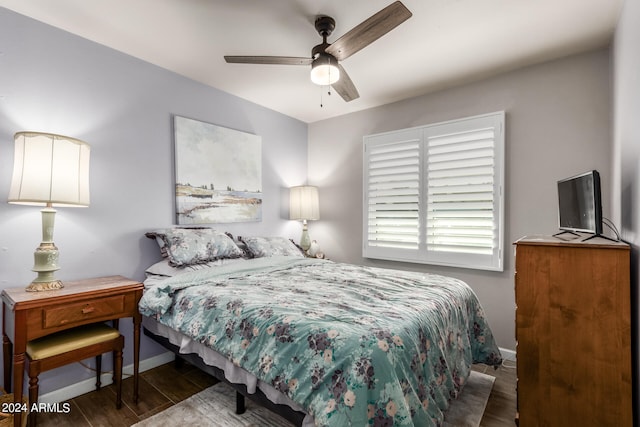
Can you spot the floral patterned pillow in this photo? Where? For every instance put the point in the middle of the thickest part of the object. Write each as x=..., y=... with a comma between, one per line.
x=188, y=246
x=261, y=247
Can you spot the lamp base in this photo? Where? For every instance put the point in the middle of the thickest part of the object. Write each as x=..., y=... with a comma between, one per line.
x=44, y=286
x=305, y=240
x=46, y=257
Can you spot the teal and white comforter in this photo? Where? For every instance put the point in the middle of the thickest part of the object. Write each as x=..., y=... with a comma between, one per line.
x=352, y=345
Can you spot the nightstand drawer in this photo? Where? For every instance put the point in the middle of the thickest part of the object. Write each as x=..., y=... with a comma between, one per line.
x=83, y=311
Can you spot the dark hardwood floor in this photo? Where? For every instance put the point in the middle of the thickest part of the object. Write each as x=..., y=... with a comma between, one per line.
x=501, y=407
x=168, y=384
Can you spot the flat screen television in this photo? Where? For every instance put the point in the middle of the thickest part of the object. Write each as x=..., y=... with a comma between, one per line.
x=580, y=203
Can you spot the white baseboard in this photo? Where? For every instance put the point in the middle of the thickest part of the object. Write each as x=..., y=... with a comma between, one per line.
x=88, y=385
x=508, y=354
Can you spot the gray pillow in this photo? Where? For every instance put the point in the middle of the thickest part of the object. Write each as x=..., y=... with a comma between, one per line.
x=189, y=246
x=260, y=247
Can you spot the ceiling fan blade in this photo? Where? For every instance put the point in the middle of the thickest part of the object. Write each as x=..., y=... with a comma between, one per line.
x=345, y=87
x=369, y=30
x=278, y=60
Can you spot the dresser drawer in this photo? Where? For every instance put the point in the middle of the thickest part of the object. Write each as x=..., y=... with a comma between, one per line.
x=82, y=311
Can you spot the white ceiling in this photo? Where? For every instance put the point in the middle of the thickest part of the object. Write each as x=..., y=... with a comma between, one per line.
x=444, y=43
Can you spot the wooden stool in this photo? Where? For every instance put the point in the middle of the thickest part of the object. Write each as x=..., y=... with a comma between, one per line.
x=74, y=345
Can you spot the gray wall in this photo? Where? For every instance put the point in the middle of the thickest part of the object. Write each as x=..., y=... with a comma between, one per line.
x=558, y=118
x=52, y=81
x=626, y=162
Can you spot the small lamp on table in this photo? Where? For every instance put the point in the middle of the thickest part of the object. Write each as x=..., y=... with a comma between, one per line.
x=304, y=206
x=49, y=170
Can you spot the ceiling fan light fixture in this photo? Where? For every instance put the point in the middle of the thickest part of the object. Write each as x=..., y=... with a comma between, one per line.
x=324, y=70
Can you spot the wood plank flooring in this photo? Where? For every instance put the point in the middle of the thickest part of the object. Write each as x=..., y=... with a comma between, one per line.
x=169, y=384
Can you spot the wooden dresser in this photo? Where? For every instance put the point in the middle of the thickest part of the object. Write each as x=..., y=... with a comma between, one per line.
x=573, y=333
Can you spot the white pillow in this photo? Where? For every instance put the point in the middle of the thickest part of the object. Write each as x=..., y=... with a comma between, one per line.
x=164, y=268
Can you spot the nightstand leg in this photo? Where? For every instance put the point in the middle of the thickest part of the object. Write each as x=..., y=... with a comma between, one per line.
x=18, y=377
x=137, y=320
x=7, y=352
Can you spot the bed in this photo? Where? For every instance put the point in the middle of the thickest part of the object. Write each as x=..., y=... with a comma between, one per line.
x=341, y=344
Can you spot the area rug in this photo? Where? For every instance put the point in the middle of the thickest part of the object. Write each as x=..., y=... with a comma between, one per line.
x=215, y=407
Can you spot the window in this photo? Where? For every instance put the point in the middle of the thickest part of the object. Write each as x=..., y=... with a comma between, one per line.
x=433, y=194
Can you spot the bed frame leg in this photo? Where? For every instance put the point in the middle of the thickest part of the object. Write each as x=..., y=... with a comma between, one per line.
x=240, y=407
x=178, y=362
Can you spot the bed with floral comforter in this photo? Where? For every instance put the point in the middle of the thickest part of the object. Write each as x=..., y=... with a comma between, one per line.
x=352, y=345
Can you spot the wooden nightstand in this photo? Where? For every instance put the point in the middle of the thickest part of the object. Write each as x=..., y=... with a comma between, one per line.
x=30, y=315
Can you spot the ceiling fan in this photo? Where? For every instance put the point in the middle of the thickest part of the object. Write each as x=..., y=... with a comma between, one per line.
x=325, y=67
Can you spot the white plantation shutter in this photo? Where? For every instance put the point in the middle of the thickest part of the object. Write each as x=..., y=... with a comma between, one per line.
x=436, y=196
x=460, y=213
x=393, y=176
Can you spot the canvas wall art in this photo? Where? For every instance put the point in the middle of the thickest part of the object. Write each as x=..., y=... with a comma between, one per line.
x=218, y=173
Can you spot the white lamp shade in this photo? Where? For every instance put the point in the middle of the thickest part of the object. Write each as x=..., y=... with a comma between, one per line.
x=51, y=169
x=303, y=203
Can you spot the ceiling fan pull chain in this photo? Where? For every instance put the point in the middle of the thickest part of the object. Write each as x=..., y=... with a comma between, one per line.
x=329, y=86
x=322, y=91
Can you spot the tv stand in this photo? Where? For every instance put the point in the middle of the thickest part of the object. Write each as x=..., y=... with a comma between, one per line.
x=593, y=236
x=566, y=232
x=599, y=235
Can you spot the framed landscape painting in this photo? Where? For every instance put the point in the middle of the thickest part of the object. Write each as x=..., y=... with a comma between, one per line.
x=218, y=173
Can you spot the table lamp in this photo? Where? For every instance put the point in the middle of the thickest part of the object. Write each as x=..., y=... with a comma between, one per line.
x=304, y=205
x=49, y=170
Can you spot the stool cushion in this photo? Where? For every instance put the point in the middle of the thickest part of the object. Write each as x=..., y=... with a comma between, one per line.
x=70, y=340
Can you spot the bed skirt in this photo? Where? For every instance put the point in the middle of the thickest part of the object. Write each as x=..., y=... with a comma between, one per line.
x=214, y=363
